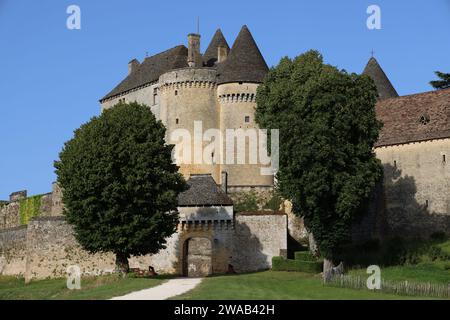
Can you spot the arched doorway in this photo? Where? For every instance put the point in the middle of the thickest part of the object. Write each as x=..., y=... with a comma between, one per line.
x=197, y=257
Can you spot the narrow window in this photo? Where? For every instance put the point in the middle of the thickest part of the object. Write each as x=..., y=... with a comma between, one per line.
x=426, y=203
x=443, y=158
x=177, y=121
x=155, y=94
x=247, y=119
x=395, y=163
x=176, y=92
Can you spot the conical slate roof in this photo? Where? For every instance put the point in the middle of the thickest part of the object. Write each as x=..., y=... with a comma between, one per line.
x=244, y=63
x=210, y=55
x=384, y=86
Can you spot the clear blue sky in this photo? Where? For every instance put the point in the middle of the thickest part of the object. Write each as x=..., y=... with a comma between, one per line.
x=52, y=77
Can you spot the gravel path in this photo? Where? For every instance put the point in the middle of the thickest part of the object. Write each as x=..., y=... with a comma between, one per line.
x=164, y=291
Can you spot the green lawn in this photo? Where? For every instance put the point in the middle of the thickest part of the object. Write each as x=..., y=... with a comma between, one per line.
x=277, y=285
x=433, y=272
x=103, y=287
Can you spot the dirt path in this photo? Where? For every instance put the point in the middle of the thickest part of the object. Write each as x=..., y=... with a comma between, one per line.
x=164, y=291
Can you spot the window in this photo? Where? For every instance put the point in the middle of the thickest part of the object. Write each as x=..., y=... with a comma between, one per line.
x=426, y=203
x=177, y=121
x=247, y=119
x=395, y=163
x=176, y=92
x=155, y=95
x=443, y=158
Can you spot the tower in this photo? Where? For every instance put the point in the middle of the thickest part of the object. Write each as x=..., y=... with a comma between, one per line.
x=238, y=78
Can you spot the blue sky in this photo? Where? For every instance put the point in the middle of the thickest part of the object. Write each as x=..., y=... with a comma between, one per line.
x=52, y=77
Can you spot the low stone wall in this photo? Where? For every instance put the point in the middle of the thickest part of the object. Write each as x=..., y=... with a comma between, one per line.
x=51, y=248
x=47, y=247
x=13, y=251
x=258, y=238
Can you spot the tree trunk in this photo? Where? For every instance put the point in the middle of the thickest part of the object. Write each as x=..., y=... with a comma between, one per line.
x=327, y=269
x=313, y=245
x=122, y=266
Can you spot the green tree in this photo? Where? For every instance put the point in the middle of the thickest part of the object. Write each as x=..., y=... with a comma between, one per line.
x=119, y=184
x=444, y=83
x=327, y=127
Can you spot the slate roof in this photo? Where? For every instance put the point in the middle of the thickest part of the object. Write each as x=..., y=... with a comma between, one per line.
x=210, y=55
x=384, y=86
x=203, y=191
x=151, y=68
x=413, y=118
x=244, y=62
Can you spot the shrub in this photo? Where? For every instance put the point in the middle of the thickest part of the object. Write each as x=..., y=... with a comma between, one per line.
x=274, y=203
x=248, y=202
x=304, y=256
x=281, y=264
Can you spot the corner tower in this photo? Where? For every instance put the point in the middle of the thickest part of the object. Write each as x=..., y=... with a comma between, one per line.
x=238, y=77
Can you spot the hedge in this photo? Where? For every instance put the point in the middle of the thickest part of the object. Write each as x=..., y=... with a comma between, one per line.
x=304, y=256
x=281, y=264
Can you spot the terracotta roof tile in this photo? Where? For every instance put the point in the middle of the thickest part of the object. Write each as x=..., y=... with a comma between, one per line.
x=413, y=118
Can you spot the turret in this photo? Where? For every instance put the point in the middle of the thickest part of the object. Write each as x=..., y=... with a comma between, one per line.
x=194, y=56
x=384, y=86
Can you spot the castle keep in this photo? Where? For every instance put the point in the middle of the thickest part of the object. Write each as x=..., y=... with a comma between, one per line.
x=217, y=89
x=184, y=87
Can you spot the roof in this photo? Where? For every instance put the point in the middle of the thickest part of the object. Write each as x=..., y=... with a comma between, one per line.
x=151, y=68
x=244, y=63
x=414, y=118
x=384, y=86
x=210, y=55
x=203, y=191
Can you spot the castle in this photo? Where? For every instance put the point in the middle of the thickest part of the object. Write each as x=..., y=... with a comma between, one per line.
x=218, y=89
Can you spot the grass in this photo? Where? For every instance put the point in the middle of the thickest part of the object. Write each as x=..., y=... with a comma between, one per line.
x=92, y=288
x=278, y=285
x=433, y=272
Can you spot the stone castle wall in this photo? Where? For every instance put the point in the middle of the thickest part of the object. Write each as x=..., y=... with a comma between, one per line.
x=13, y=251
x=416, y=187
x=47, y=247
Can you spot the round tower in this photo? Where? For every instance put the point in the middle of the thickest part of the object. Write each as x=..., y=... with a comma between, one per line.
x=238, y=78
x=188, y=109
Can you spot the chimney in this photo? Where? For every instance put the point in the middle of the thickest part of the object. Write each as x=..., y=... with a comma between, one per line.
x=133, y=65
x=194, y=57
x=224, y=185
x=222, y=53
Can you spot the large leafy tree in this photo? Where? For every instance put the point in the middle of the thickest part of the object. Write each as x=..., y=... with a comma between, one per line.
x=327, y=126
x=444, y=81
x=119, y=184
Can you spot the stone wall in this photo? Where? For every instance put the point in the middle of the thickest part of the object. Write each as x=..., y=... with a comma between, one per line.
x=47, y=247
x=416, y=187
x=258, y=238
x=13, y=251
x=9, y=215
